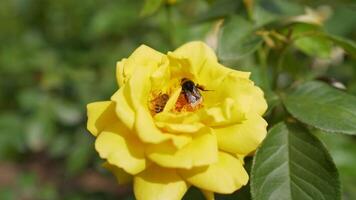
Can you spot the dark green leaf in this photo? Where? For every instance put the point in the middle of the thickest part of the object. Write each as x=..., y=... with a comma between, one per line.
x=343, y=150
x=340, y=23
x=292, y=164
x=310, y=40
x=237, y=39
x=348, y=45
x=281, y=7
x=262, y=16
x=219, y=9
x=323, y=107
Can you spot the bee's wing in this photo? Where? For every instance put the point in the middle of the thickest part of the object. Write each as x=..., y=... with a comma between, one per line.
x=190, y=97
x=193, y=96
x=196, y=93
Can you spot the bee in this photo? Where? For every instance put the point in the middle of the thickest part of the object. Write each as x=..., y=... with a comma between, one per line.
x=190, y=98
x=159, y=103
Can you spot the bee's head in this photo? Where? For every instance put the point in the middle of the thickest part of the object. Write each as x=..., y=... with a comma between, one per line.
x=183, y=80
x=187, y=84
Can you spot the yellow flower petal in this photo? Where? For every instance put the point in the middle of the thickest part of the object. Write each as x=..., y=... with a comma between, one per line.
x=177, y=118
x=140, y=87
x=160, y=78
x=199, y=62
x=137, y=95
x=225, y=176
x=172, y=100
x=179, y=140
x=241, y=158
x=196, y=53
x=208, y=195
x=225, y=112
x=180, y=128
x=100, y=115
x=124, y=110
x=251, y=100
x=120, y=77
x=121, y=176
x=121, y=148
x=248, y=97
x=156, y=183
x=141, y=58
x=148, y=132
x=146, y=129
x=242, y=138
x=191, y=155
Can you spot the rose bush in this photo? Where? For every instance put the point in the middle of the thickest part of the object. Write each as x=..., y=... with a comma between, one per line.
x=166, y=152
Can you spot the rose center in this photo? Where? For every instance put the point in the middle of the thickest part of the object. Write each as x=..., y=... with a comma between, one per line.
x=190, y=98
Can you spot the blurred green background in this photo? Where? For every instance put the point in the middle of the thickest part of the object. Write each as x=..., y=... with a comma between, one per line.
x=57, y=56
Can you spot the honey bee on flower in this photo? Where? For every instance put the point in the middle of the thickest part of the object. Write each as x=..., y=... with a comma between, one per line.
x=158, y=124
x=159, y=102
x=190, y=98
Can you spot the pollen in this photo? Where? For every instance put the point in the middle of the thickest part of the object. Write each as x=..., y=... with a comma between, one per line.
x=183, y=105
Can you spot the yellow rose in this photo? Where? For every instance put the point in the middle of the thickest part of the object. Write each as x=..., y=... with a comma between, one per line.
x=178, y=120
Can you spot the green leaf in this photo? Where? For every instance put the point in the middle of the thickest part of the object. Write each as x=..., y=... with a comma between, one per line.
x=237, y=39
x=150, y=7
x=340, y=23
x=348, y=45
x=343, y=150
x=292, y=164
x=324, y=107
x=219, y=9
x=281, y=7
x=262, y=16
x=310, y=40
